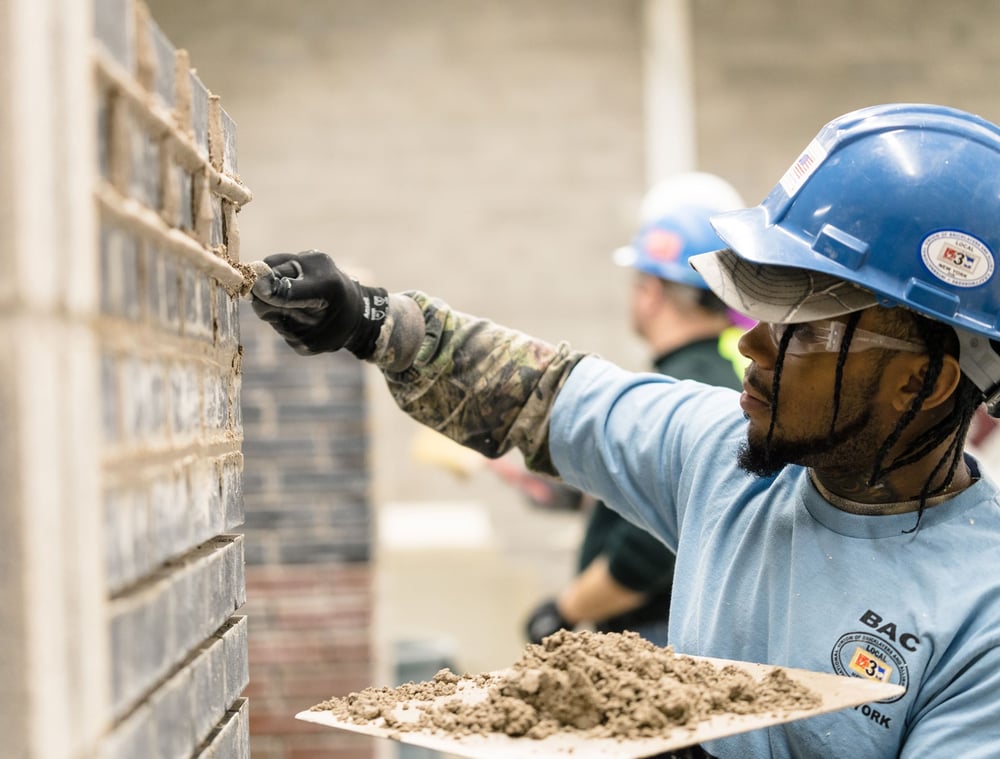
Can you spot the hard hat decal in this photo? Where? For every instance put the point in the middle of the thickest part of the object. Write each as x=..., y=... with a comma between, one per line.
x=957, y=258
x=803, y=168
x=664, y=245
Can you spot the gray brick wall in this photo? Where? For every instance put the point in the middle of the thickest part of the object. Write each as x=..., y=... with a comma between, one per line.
x=309, y=531
x=170, y=376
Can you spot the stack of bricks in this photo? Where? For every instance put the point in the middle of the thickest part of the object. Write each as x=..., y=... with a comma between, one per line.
x=308, y=531
x=167, y=195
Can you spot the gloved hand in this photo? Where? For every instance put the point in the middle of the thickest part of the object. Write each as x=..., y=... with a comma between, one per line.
x=316, y=307
x=544, y=621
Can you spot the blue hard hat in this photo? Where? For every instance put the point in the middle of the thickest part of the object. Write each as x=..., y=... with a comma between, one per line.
x=675, y=226
x=894, y=204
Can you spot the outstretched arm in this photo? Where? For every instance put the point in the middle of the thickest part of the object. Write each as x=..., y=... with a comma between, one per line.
x=485, y=386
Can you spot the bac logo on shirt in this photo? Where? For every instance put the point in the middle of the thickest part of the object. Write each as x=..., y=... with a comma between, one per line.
x=877, y=652
x=870, y=666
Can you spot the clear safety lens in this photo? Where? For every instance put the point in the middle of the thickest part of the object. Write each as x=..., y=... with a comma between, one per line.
x=827, y=337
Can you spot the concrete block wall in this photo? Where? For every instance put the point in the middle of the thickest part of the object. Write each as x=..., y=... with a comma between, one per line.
x=769, y=74
x=167, y=195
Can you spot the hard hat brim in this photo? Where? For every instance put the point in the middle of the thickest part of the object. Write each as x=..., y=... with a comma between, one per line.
x=779, y=294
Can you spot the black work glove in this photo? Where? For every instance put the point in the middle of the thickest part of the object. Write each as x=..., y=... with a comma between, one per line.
x=544, y=621
x=316, y=307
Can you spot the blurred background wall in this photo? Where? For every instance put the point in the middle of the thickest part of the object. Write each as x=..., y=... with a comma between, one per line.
x=494, y=153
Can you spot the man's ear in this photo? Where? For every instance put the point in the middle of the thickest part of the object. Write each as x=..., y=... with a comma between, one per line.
x=912, y=369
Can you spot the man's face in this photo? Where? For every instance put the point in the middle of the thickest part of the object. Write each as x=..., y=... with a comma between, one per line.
x=647, y=293
x=805, y=406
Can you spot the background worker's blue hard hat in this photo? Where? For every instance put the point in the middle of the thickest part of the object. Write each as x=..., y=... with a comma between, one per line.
x=674, y=225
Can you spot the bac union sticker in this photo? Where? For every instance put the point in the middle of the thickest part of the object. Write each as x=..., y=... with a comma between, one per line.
x=957, y=258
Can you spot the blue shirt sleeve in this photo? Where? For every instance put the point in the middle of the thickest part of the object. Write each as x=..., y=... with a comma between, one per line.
x=639, y=448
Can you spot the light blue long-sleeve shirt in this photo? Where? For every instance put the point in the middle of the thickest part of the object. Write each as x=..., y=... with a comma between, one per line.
x=768, y=571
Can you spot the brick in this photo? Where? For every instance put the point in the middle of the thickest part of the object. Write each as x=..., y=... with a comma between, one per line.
x=163, y=51
x=226, y=319
x=199, y=114
x=110, y=394
x=119, y=273
x=236, y=568
x=139, y=640
x=313, y=550
x=231, y=475
x=168, y=501
x=208, y=688
x=236, y=406
x=232, y=231
x=280, y=518
x=126, y=536
x=114, y=30
x=217, y=235
x=281, y=724
x=318, y=686
x=330, y=746
x=278, y=580
x=132, y=738
x=203, y=515
x=292, y=410
x=170, y=705
x=231, y=738
x=185, y=401
x=351, y=481
x=162, y=287
x=261, y=550
x=144, y=184
x=196, y=322
x=143, y=400
x=216, y=404
x=216, y=146
x=207, y=295
x=103, y=133
x=236, y=655
x=185, y=185
x=229, y=137
x=170, y=301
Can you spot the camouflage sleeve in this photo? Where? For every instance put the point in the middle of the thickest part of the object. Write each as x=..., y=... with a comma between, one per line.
x=485, y=386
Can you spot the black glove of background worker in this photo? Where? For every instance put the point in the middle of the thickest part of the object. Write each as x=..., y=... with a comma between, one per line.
x=544, y=621
x=317, y=308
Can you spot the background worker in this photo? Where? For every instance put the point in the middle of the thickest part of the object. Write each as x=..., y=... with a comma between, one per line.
x=828, y=517
x=624, y=572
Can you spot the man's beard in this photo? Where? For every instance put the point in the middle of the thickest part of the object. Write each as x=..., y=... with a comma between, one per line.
x=756, y=456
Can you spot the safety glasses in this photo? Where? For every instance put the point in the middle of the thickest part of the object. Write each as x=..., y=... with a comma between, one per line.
x=827, y=337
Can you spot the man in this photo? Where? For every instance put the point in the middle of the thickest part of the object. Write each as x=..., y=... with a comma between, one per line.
x=825, y=518
x=624, y=572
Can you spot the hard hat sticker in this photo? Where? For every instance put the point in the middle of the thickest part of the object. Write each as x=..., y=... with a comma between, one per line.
x=957, y=258
x=803, y=168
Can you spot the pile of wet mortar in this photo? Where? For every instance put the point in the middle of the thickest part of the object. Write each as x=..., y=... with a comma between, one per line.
x=599, y=685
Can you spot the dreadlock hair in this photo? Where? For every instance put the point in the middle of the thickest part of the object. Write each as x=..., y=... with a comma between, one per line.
x=779, y=363
x=940, y=340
